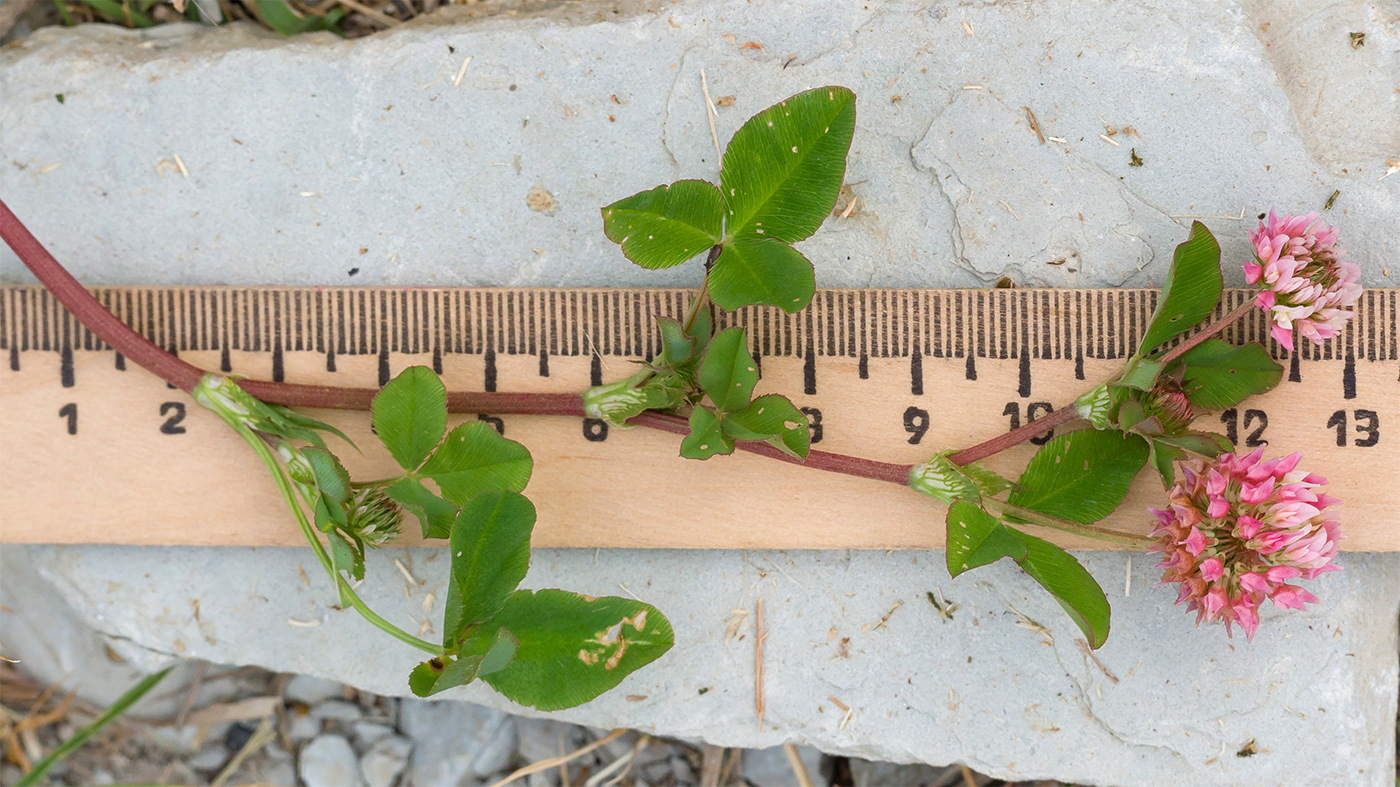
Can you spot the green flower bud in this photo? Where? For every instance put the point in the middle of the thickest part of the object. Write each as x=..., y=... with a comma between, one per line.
x=372, y=517
x=942, y=480
x=223, y=396
x=616, y=402
x=1095, y=407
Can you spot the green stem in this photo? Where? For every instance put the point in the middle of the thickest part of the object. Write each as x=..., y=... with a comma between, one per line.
x=703, y=297
x=1074, y=528
x=347, y=593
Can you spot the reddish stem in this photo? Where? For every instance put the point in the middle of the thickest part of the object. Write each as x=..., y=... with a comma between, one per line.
x=817, y=460
x=1015, y=437
x=89, y=312
x=1210, y=330
x=138, y=348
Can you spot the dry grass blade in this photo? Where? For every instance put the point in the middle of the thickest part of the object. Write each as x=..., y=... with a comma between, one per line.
x=711, y=759
x=759, y=636
x=1090, y=653
x=260, y=738
x=544, y=765
x=378, y=16
x=799, y=769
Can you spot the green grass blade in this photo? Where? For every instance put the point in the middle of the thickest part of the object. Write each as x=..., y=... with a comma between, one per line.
x=81, y=736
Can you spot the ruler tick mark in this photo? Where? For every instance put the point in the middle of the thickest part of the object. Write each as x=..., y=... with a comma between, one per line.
x=916, y=373
x=1024, y=374
x=279, y=372
x=65, y=366
x=490, y=381
x=383, y=364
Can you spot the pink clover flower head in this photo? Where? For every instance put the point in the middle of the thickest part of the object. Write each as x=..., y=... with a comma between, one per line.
x=1237, y=529
x=1306, y=283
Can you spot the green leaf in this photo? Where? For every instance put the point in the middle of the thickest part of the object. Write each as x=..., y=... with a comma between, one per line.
x=435, y=515
x=280, y=18
x=1139, y=373
x=706, y=437
x=774, y=418
x=1207, y=444
x=728, y=373
x=288, y=423
x=572, y=647
x=1190, y=292
x=500, y=654
x=783, y=168
x=113, y=11
x=410, y=415
x=490, y=549
x=703, y=327
x=345, y=556
x=976, y=538
x=1072, y=586
x=667, y=225
x=439, y=674
x=331, y=477
x=474, y=458
x=762, y=271
x=676, y=346
x=988, y=482
x=1081, y=476
x=1162, y=459
x=1218, y=375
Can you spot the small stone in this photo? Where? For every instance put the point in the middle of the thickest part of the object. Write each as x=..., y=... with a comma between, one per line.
x=385, y=761
x=329, y=761
x=865, y=773
x=453, y=741
x=337, y=710
x=210, y=758
x=303, y=727
x=367, y=733
x=682, y=770
x=312, y=691
x=771, y=768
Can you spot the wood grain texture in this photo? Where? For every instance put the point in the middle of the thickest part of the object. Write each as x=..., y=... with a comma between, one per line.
x=890, y=374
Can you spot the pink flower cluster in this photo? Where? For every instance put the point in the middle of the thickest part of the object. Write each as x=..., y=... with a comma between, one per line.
x=1306, y=284
x=1238, y=529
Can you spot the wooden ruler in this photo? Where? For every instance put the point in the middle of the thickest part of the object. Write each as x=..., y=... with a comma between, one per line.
x=93, y=450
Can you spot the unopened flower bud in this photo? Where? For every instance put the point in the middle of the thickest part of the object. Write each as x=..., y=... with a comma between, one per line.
x=942, y=480
x=225, y=397
x=1094, y=407
x=1168, y=403
x=373, y=517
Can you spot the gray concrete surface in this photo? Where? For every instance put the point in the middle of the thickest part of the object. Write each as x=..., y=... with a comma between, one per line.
x=300, y=154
